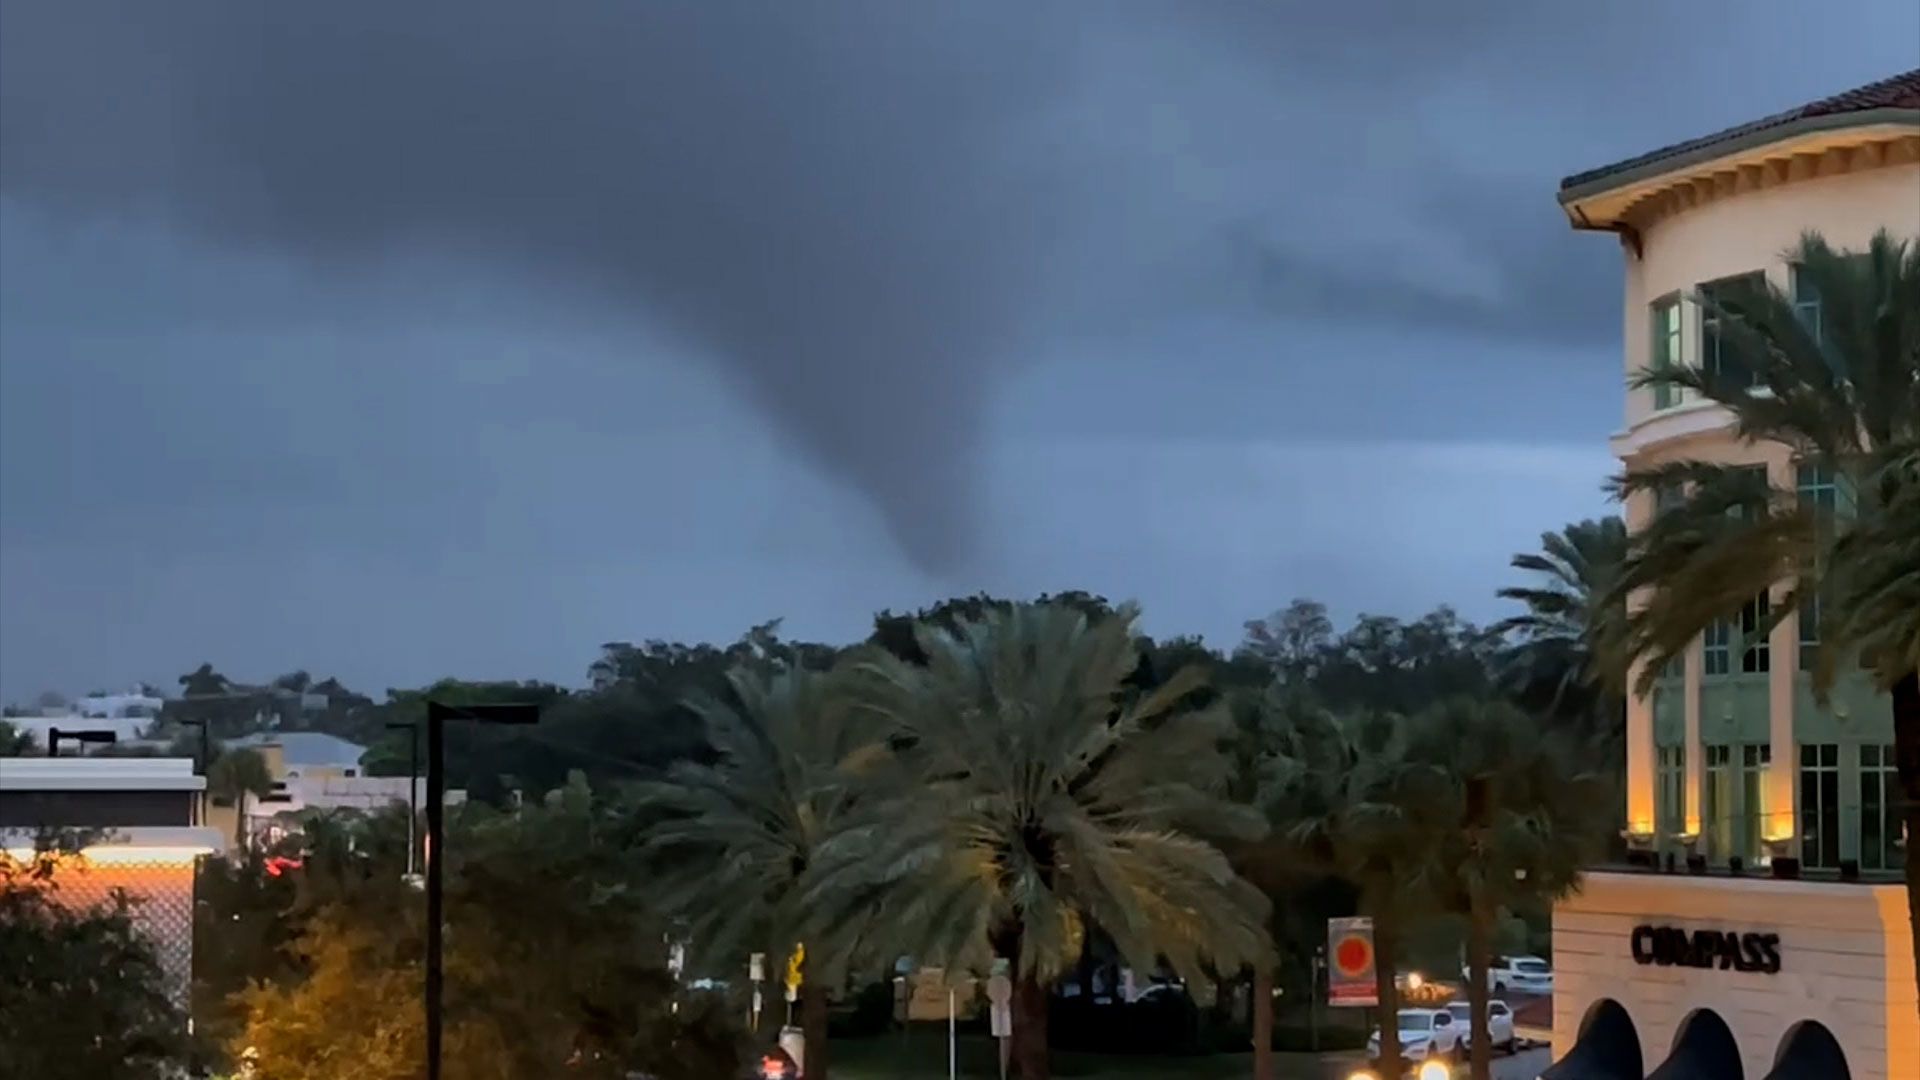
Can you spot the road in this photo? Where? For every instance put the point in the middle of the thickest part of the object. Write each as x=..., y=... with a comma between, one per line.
x=1525, y=1065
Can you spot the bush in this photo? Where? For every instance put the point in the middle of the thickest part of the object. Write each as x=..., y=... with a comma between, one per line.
x=868, y=1012
x=1161, y=1024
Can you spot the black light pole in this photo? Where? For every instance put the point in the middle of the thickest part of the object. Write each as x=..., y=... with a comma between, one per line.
x=413, y=787
x=94, y=735
x=206, y=748
x=437, y=717
x=205, y=760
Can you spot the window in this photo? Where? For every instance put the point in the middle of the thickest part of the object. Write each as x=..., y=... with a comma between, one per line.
x=1755, y=761
x=1820, y=805
x=1744, y=479
x=1806, y=303
x=1666, y=350
x=1675, y=667
x=1716, y=811
x=1809, y=631
x=1670, y=790
x=1821, y=490
x=1879, y=810
x=1716, y=647
x=1719, y=352
x=1753, y=618
x=1668, y=496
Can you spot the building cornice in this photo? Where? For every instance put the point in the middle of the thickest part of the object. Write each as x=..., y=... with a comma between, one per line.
x=1702, y=416
x=1814, y=147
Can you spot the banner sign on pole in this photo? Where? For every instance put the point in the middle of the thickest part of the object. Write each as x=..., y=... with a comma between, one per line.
x=1350, y=980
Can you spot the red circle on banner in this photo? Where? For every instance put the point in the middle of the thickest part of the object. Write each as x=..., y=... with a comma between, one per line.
x=1352, y=955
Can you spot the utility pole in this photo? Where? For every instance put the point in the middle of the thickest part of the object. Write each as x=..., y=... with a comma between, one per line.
x=437, y=716
x=413, y=788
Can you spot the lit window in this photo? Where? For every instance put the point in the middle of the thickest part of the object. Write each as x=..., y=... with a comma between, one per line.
x=1755, y=760
x=1670, y=789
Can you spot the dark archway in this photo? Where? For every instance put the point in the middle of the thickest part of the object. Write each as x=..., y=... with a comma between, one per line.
x=1810, y=1052
x=1607, y=1048
x=1703, y=1050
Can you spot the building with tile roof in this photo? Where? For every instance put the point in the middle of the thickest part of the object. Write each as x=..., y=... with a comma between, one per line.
x=1762, y=929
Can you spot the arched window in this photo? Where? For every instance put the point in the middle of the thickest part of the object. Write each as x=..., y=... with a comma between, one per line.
x=1808, y=1051
x=1607, y=1048
x=1703, y=1049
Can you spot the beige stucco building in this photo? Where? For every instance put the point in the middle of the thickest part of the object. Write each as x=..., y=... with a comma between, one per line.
x=1731, y=758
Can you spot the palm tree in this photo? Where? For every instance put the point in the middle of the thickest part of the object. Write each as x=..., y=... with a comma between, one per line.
x=1514, y=819
x=735, y=840
x=1842, y=393
x=1038, y=794
x=14, y=742
x=203, y=681
x=1555, y=663
x=1339, y=791
x=234, y=775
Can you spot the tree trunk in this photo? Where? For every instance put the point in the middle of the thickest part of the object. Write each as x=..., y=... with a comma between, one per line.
x=1392, y=1064
x=1479, y=956
x=1262, y=1021
x=1029, y=1028
x=1906, y=756
x=813, y=1026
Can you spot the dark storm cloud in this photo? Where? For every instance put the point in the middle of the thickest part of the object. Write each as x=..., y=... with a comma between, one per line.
x=864, y=212
x=832, y=202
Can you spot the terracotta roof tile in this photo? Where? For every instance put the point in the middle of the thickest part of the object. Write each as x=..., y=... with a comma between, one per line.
x=1898, y=92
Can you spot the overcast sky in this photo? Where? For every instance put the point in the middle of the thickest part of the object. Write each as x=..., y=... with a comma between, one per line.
x=456, y=338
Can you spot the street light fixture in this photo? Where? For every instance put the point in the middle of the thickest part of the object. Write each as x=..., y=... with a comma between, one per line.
x=438, y=714
x=92, y=735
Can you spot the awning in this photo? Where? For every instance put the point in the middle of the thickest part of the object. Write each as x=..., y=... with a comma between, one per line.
x=1810, y=1053
x=1705, y=1050
x=1608, y=1048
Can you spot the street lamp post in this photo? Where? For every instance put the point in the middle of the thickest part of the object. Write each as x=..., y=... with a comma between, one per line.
x=413, y=787
x=92, y=735
x=437, y=716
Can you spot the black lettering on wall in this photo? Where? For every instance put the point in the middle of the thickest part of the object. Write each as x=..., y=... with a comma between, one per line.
x=1673, y=946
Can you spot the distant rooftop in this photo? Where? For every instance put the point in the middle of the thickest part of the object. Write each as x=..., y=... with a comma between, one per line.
x=1897, y=94
x=98, y=774
x=306, y=747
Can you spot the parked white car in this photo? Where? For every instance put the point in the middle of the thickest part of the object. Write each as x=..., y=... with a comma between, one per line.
x=1499, y=1024
x=1518, y=975
x=1424, y=1033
